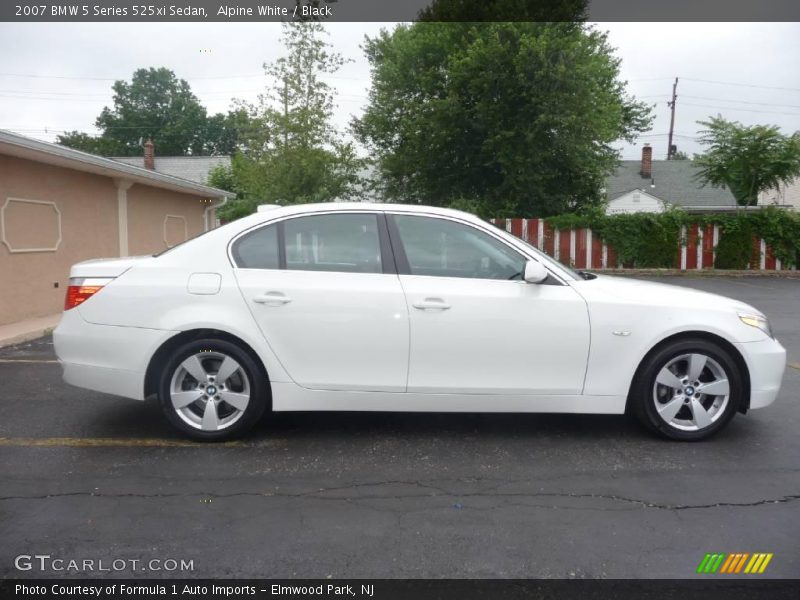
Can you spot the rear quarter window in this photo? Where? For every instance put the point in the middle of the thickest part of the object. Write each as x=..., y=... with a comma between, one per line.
x=257, y=249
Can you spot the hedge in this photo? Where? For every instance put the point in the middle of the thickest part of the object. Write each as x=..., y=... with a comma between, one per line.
x=650, y=240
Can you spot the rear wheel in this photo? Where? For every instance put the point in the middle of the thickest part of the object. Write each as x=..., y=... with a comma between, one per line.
x=212, y=390
x=688, y=390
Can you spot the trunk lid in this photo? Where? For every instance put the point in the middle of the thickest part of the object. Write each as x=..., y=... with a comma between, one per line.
x=105, y=267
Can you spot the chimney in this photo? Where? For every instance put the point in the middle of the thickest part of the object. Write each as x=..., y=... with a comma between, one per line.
x=149, y=155
x=647, y=162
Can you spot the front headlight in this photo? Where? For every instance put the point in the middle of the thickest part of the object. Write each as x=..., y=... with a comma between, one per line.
x=758, y=321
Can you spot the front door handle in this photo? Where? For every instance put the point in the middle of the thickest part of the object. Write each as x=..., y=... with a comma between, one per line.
x=431, y=304
x=272, y=299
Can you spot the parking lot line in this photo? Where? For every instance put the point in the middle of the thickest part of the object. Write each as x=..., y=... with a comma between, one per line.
x=795, y=366
x=75, y=442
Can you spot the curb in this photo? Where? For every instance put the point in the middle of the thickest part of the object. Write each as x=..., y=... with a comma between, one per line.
x=25, y=331
x=25, y=337
x=699, y=273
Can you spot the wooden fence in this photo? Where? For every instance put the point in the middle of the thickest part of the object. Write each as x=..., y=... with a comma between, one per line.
x=582, y=250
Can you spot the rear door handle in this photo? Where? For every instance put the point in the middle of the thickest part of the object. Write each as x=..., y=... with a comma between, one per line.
x=272, y=299
x=431, y=304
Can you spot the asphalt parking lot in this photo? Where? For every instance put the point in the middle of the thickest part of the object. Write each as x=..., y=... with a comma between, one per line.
x=88, y=476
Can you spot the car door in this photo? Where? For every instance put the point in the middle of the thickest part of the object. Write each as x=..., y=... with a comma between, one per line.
x=325, y=294
x=476, y=327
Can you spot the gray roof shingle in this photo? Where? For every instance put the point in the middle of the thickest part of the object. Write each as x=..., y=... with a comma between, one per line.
x=674, y=181
x=193, y=168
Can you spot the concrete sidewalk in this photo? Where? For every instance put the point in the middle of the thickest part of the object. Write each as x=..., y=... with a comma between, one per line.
x=30, y=329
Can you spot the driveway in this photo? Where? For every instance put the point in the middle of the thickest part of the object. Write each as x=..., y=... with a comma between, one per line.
x=88, y=476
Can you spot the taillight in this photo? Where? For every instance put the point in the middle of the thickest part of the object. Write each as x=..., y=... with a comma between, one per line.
x=82, y=288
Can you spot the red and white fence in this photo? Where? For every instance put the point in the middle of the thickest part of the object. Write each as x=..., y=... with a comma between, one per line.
x=581, y=249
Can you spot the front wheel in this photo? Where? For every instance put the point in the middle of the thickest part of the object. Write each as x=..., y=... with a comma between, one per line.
x=688, y=390
x=211, y=390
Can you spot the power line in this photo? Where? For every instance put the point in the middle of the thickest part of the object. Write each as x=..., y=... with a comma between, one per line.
x=88, y=78
x=199, y=78
x=44, y=92
x=68, y=97
x=744, y=102
x=765, y=87
x=736, y=108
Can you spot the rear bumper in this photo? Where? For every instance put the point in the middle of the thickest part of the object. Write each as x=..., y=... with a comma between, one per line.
x=766, y=362
x=105, y=358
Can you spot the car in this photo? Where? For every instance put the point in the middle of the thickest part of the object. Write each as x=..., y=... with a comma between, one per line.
x=386, y=307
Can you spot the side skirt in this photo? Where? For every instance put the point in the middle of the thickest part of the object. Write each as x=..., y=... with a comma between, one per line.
x=291, y=397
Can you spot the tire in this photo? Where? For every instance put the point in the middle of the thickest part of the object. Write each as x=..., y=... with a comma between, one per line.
x=191, y=379
x=665, y=396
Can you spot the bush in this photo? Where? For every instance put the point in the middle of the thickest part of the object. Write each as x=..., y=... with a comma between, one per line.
x=735, y=246
x=652, y=240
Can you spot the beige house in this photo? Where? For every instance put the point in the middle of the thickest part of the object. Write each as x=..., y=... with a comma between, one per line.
x=59, y=206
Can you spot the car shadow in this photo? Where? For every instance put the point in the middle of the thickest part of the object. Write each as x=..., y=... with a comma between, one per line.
x=298, y=425
x=145, y=421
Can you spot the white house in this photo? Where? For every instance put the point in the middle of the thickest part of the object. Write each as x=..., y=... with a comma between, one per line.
x=786, y=195
x=635, y=201
x=652, y=186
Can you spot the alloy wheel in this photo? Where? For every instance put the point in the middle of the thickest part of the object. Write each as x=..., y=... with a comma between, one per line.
x=691, y=391
x=209, y=391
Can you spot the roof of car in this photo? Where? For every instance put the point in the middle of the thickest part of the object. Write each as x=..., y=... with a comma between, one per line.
x=292, y=209
x=281, y=212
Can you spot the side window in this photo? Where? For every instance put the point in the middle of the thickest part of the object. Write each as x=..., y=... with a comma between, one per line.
x=337, y=242
x=258, y=249
x=443, y=248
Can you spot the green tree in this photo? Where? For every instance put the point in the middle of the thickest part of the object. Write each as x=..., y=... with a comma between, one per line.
x=101, y=145
x=504, y=10
x=293, y=154
x=519, y=117
x=748, y=160
x=157, y=105
x=680, y=155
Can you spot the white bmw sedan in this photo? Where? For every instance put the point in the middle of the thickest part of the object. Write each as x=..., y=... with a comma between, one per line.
x=383, y=307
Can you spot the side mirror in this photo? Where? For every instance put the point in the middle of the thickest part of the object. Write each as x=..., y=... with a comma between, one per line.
x=535, y=272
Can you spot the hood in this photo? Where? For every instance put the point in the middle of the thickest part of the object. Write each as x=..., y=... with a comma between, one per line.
x=635, y=291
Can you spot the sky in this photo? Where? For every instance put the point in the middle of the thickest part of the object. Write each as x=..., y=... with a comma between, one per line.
x=57, y=77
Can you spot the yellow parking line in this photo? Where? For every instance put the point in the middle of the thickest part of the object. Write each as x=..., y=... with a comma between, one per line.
x=795, y=366
x=26, y=360
x=53, y=442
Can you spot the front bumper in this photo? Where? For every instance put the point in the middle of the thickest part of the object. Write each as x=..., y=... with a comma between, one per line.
x=766, y=362
x=105, y=358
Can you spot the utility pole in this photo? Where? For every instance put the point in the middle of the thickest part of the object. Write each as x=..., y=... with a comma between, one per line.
x=672, y=118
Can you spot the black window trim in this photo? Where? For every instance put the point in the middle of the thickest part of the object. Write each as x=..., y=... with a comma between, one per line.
x=281, y=246
x=388, y=257
x=388, y=261
x=398, y=250
x=401, y=258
